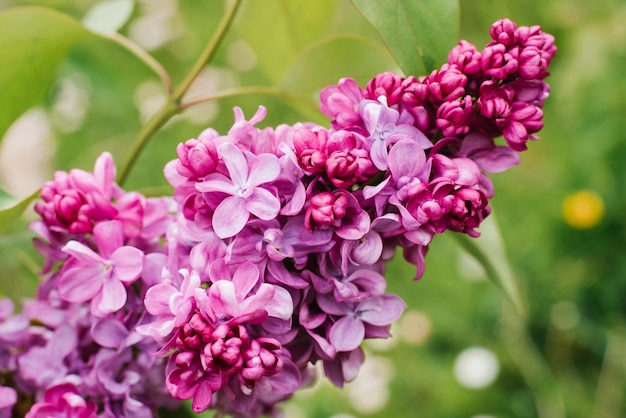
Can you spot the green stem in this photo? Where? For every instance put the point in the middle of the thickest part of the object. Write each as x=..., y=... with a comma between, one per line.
x=307, y=108
x=143, y=56
x=531, y=365
x=172, y=104
x=209, y=51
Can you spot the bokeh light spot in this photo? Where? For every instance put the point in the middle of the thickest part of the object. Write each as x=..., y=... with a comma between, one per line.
x=476, y=367
x=583, y=209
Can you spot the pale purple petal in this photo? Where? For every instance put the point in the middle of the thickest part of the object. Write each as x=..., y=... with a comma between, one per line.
x=112, y=297
x=222, y=299
x=262, y=204
x=263, y=169
x=381, y=310
x=369, y=250
x=216, y=182
x=259, y=300
x=83, y=253
x=347, y=333
x=230, y=217
x=287, y=380
x=245, y=278
x=157, y=300
x=351, y=364
x=104, y=173
x=235, y=163
x=81, y=283
x=378, y=153
x=499, y=159
x=281, y=305
x=406, y=159
x=109, y=333
x=128, y=263
x=109, y=237
x=469, y=173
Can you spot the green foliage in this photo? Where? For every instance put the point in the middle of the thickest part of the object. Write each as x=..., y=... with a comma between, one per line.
x=11, y=209
x=33, y=42
x=419, y=34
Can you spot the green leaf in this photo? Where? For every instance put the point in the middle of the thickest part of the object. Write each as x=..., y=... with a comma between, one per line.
x=419, y=33
x=323, y=63
x=489, y=251
x=33, y=42
x=11, y=209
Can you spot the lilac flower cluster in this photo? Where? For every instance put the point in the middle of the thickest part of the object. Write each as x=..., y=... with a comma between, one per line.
x=270, y=256
x=74, y=350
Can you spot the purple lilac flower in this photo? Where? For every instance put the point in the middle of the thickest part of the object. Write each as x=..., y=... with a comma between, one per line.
x=269, y=257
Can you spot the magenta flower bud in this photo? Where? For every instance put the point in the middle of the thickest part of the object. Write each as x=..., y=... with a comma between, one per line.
x=385, y=84
x=465, y=57
x=196, y=158
x=469, y=208
x=414, y=92
x=532, y=65
x=494, y=102
x=348, y=161
x=496, y=61
x=446, y=85
x=524, y=120
x=453, y=117
x=533, y=36
x=504, y=32
x=309, y=148
x=325, y=209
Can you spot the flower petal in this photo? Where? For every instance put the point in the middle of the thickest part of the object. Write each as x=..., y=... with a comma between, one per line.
x=263, y=204
x=79, y=284
x=113, y=296
x=236, y=163
x=230, y=217
x=128, y=263
x=347, y=333
x=263, y=169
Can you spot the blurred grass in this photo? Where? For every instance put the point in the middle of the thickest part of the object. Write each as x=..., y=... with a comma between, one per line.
x=566, y=357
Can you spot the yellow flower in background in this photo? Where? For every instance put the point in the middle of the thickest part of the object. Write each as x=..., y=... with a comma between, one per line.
x=583, y=209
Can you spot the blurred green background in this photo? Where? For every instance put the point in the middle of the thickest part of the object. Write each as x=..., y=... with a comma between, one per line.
x=460, y=350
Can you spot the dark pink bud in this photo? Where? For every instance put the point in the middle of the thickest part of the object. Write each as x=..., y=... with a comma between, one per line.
x=325, y=209
x=414, y=92
x=469, y=208
x=385, y=84
x=524, y=120
x=497, y=62
x=531, y=64
x=494, y=102
x=309, y=148
x=196, y=158
x=348, y=161
x=465, y=57
x=446, y=85
x=504, y=32
x=453, y=117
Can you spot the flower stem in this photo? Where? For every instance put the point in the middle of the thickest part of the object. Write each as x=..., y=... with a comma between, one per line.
x=172, y=106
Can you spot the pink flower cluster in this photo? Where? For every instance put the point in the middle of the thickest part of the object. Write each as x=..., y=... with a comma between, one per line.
x=271, y=255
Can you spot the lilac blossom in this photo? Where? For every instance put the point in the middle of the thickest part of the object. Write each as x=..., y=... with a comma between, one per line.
x=269, y=256
x=102, y=277
x=245, y=196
